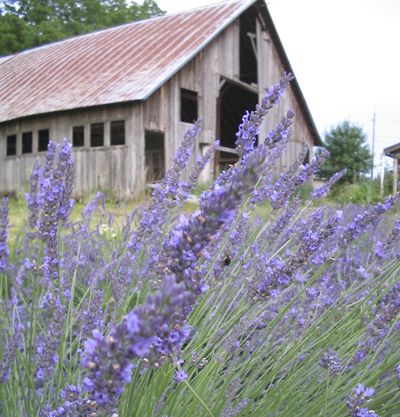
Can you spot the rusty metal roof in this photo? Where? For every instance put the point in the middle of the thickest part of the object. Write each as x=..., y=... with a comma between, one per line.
x=119, y=64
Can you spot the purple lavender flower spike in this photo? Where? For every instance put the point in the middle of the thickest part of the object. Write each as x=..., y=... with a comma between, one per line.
x=4, y=251
x=357, y=400
x=65, y=170
x=186, y=242
x=7, y=359
x=108, y=359
x=47, y=345
x=249, y=131
x=251, y=122
x=50, y=202
x=330, y=360
x=384, y=248
x=92, y=315
x=73, y=404
x=180, y=375
x=297, y=175
x=282, y=131
x=385, y=312
x=370, y=216
x=277, y=272
x=169, y=190
x=234, y=411
x=169, y=193
x=324, y=189
x=200, y=164
x=33, y=196
x=361, y=391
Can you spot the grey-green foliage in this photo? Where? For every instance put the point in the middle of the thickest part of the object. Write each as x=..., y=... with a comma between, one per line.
x=347, y=144
x=28, y=23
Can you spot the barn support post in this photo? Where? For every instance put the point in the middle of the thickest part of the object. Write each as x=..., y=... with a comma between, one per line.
x=395, y=174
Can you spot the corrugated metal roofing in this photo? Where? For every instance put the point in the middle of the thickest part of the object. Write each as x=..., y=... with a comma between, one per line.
x=115, y=65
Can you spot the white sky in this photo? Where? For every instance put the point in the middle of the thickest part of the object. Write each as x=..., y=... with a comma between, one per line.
x=346, y=57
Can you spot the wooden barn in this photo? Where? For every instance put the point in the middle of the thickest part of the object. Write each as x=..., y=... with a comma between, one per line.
x=125, y=96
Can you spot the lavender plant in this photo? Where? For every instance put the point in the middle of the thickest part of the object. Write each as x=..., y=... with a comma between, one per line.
x=253, y=304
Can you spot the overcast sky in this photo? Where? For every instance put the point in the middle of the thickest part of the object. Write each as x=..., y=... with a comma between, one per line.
x=346, y=57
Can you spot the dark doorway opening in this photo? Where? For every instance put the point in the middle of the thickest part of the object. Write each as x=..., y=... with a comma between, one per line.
x=248, y=47
x=234, y=101
x=154, y=155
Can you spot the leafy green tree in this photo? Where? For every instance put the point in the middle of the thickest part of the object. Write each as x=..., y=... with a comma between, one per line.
x=28, y=23
x=348, y=147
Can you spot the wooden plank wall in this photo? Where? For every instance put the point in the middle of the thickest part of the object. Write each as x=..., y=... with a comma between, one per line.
x=118, y=169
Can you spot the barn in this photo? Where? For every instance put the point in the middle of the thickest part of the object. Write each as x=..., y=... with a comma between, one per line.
x=124, y=96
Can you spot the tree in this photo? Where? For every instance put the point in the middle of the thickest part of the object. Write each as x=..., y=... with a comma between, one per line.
x=28, y=23
x=348, y=147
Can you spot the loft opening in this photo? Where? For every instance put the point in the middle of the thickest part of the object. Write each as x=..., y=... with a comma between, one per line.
x=234, y=101
x=154, y=155
x=248, y=47
x=189, y=106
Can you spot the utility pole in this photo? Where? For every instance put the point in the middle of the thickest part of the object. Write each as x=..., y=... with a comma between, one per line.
x=373, y=145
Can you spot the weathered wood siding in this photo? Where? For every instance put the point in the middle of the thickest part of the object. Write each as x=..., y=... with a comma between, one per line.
x=119, y=168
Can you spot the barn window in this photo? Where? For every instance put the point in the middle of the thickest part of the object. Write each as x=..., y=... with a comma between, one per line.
x=11, y=145
x=97, y=134
x=188, y=106
x=117, y=132
x=154, y=156
x=43, y=139
x=27, y=142
x=78, y=136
